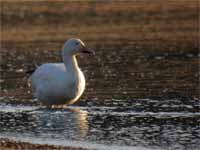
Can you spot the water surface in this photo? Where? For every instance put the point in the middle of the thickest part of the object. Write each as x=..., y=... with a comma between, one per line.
x=133, y=100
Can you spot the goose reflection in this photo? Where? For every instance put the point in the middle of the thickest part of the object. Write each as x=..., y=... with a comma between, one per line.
x=70, y=123
x=81, y=120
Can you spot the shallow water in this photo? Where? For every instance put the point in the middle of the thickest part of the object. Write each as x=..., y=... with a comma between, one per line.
x=146, y=100
x=101, y=127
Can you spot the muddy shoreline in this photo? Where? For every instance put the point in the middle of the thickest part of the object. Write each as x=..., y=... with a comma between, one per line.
x=7, y=144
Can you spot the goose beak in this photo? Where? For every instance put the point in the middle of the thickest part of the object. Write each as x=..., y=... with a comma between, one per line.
x=87, y=50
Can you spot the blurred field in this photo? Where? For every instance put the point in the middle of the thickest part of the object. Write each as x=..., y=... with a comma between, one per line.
x=131, y=20
x=144, y=48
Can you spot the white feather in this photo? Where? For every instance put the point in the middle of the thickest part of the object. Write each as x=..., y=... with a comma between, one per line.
x=59, y=83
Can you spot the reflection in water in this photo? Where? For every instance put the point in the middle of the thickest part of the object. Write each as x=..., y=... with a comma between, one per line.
x=81, y=121
x=103, y=125
x=68, y=123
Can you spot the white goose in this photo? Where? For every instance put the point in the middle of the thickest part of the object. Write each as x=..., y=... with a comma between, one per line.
x=61, y=83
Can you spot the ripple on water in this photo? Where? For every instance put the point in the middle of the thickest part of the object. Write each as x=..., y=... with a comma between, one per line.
x=102, y=125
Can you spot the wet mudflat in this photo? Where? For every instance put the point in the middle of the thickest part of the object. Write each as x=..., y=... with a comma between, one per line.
x=142, y=88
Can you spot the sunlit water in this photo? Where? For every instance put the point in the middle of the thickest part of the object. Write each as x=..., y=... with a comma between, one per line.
x=130, y=102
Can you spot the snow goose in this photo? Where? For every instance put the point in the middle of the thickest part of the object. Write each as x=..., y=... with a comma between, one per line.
x=61, y=83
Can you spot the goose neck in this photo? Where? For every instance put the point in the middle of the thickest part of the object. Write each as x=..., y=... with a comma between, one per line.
x=70, y=62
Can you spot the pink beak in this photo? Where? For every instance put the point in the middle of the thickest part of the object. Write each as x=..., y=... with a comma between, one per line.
x=87, y=51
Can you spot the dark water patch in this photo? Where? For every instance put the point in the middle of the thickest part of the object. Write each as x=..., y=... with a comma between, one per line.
x=147, y=105
x=147, y=130
x=16, y=121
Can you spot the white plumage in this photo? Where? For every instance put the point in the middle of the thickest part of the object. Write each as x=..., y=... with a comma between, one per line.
x=61, y=83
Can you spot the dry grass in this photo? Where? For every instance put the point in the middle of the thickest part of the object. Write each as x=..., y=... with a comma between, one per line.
x=29, y=21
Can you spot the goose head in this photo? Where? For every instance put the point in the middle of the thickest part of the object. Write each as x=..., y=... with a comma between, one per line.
x=75, y=46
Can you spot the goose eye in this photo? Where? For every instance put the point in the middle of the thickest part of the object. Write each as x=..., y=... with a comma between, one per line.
x=76, y=43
